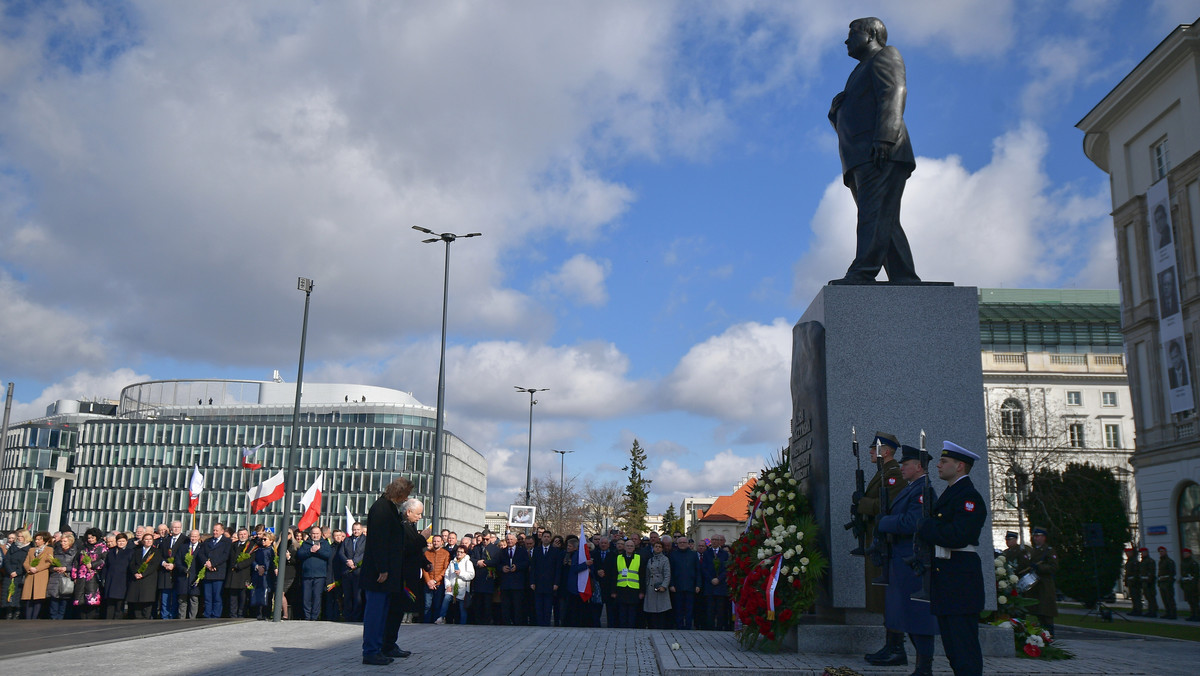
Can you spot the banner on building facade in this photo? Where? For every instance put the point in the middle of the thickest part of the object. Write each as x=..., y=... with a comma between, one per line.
x=1170, y=319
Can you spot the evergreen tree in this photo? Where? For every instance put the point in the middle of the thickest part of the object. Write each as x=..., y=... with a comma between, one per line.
x=637, y=492
x=1066, y=503
x=668, y=520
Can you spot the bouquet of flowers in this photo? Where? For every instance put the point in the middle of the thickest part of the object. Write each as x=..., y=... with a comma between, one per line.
x=86, y=559
x=141, y=569
x=1033, y=641
x=333, y=585
x=12, y=589
x=775, y=566
x=1009, y=603
x=55, y=563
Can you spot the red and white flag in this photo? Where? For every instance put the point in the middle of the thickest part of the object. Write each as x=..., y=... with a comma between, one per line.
x=310, y=504
x=248, y=456
x=349, y=521
x=585, y=577
x=265, y=493
x=195, y=487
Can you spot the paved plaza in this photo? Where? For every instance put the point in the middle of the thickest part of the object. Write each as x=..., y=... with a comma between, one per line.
x=323, y=648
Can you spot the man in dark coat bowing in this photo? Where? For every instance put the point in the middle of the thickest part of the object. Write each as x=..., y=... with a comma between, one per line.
x=392, y=544
x=956, y=594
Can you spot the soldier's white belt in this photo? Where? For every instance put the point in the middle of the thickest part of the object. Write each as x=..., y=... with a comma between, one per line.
x=944, y=553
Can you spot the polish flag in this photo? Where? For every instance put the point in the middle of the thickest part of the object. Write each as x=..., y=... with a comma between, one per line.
x=585, y=578
x=311, y=504
x=265, y=493
x=248, y=455
x=349, y=520
x=195, y=487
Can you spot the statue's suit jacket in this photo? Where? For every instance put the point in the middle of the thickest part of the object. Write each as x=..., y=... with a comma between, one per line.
x=872, y=109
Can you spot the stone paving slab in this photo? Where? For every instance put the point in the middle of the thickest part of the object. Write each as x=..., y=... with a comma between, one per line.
x=324, y=648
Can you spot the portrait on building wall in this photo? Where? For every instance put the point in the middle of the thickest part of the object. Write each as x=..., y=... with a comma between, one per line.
x=1177, y=370
x=1162, y=226
x=521, y=516
x=1168, y=293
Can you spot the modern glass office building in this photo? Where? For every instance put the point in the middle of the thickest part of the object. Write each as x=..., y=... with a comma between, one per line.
x=133, y=467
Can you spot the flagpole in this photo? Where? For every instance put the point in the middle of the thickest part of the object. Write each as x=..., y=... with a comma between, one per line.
x=305, y=285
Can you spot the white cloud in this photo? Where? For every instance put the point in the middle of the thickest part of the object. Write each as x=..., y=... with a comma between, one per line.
x=1002, y=225
x=739, y=378
x=39, y=340
x=84, y=385
x=580, y=278
x=718, y=476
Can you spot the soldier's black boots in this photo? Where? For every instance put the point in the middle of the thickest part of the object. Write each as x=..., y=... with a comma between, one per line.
x=894, y=638
x=895, y=654
x=924, y=665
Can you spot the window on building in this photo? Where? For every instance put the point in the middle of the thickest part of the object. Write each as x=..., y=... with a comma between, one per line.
x=1108, y=398
x=1112, y=435
x=1075, y=435
x=1075, y=398
x=1161, y=159
x=1188, y=513
x=1012, y=418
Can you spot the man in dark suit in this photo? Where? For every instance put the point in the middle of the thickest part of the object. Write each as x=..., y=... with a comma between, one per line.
x=239, y=572
x=388, y=543
x=956, y=594
x=186, y=587
x=214, y=556
x=1177, y=367
x=486, y=557
x=877, y=156
x=351, y=556
x=604, y=568
x=170, y=557
x=713, y=571
x=514, y=561
x=543, y=578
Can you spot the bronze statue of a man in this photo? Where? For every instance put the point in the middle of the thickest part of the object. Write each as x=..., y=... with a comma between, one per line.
x=877, y=157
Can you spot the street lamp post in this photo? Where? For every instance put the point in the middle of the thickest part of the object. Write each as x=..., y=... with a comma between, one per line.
x=435, y=512
x=529, y=454
x=306, y=285
x=561, y=502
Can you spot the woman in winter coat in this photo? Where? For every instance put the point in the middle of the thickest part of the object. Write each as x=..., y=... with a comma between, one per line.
x=577, y=611
x=37, y=575
x=457, y=580
x=85, y=570
x=262, y=577
x=658, y=599
x=144, y=563
x=116, y=578
x=13, y=581
x=61, y=589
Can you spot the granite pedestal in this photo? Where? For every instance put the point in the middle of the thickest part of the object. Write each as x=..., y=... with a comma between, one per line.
x=897, y=359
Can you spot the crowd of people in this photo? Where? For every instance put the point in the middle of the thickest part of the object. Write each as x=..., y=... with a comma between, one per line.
x=477, y=578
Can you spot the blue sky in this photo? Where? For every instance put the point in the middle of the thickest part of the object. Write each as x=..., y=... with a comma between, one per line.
x=657, y=186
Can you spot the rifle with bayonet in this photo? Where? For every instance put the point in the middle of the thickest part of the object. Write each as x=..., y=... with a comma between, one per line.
x=881, y=548
x=921, y=560
x=858, y=522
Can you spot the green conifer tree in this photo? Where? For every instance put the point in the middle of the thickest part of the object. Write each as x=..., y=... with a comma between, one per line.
x=637, y=492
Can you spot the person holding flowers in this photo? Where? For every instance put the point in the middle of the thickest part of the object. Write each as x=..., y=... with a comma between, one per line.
x=61, y=589
x=85, y=571
x=262, y=576
x=13, y=581
x=37, y=575
x=143, y=578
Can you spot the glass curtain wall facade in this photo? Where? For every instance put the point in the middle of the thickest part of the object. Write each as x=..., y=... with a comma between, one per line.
x=133, y=468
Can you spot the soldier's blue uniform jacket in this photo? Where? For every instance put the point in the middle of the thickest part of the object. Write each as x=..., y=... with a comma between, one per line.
x=901, y=612
x=956, y=522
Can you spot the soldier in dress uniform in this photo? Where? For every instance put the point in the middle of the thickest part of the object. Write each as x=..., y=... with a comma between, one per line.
x=1166, y=583
x=1014, y=552
x=1133, y=581
x=1189, y=580
x=904, y=615
x=956, y=594
x=1043, y=560
x=1149, y=582
x=870, y=504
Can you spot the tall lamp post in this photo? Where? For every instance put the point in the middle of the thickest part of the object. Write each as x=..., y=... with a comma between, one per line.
x=529, y=453
x=561, y=502
x=306, y=285
x=435, y=518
